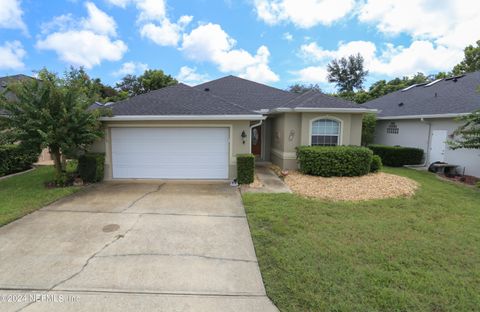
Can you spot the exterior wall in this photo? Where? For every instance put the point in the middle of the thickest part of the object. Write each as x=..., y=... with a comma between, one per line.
x=290, y=130
x=236, y=143
x=415, y=133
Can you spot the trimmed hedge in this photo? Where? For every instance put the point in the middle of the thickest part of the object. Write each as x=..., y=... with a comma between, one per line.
x=376, y=164
x=245, y=168
x=334, y=161
x=91, y=167
x=397, y=156
x=16, y=158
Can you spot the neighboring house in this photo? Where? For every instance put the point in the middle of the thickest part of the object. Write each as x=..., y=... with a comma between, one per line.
x=182, y=132
x=424, y=116
x=4, y=81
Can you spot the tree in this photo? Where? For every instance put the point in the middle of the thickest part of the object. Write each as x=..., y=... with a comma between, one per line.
x=368, y=128
x=467, y=135
x=51, y=112
x=347, y=73
x=302, y=88
x=94, y=89
x=470, y=62
x=152, y=79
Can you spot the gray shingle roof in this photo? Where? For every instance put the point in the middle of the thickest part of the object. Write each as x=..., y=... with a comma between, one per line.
x=179, y=99
x=249, y=94
x=448, y=96
x=316, y=99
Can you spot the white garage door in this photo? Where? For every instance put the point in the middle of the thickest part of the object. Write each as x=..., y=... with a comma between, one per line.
x=170, y=153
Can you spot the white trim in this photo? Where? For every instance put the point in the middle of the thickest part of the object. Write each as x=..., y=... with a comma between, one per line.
x=283, y=155
x=340, y=134
x=182, y=117
x=423, y=116
x=322, y=110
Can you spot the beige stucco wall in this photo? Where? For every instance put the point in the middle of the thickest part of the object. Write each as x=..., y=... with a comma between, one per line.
x=294, y=129
x=236, y=143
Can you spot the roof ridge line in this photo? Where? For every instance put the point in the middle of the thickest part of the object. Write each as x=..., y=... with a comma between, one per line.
x=225, y=100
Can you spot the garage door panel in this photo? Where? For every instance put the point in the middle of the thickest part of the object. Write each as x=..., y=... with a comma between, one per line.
x=170, y=153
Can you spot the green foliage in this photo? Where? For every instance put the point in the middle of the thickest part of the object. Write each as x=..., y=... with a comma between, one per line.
x=245, y=168
x=152, y=79
x=403, y=254
x=376, y=164
x=16, y=158
x=467, y=135
x=368, y=128
x=347, y=73
x=93, y=89
x=397, y=156
x=91, y=167
x=470, y=62
x=51, y=112
x=302, y=88
x=334, y=161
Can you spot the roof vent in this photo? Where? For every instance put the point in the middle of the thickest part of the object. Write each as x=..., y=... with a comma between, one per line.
x=454, y=78
x=433, y=82
x=400, y=104
x=206, y=89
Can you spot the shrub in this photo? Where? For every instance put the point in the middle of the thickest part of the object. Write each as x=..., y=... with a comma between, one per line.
x=369, y=123
x=91, y=167
x=376, y=164
x=334, y=161
x=16, y=158
x=245, y=168
x=397, y=156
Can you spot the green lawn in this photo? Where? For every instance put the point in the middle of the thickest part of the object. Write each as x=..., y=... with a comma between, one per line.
x=25, y=193
x=418, y=254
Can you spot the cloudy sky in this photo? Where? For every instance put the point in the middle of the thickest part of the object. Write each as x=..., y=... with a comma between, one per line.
x=277, y=42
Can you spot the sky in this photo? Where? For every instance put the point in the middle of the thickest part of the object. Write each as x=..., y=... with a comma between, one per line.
x=276, y=42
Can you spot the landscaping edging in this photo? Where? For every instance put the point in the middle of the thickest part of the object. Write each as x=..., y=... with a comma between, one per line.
x=16, y=174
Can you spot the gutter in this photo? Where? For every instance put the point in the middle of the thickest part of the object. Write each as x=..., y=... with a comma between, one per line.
x=427, y=152
x=182, y=117
x=422, y=116
x=322, y=110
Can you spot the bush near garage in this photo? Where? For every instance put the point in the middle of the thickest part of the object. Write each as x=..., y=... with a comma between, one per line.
x=91, y=167
x=397, y=156
x=376, y=164
x=334, y=161
x=245, y=168
x=15, y=158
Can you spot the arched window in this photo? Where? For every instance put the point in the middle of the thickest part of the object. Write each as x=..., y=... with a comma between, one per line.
x=325, y=132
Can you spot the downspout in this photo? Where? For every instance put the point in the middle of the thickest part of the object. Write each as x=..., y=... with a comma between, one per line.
x=427, y=152
x=250, y=134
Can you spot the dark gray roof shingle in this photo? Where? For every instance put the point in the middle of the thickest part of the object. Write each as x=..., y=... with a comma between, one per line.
x=251, y=95
x=448, y=96
x=179, y=99
x=316, y=99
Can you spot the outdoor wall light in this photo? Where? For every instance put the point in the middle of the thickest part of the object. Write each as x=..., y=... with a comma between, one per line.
x=244, y=136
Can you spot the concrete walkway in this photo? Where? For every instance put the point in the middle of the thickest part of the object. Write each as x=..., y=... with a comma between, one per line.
x=270, y=181
x=134, y=247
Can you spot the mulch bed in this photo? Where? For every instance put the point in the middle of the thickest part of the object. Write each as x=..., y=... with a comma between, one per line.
x=372, y=186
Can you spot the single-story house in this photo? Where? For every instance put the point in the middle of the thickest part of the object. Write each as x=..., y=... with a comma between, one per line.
x=183, y=132
x=4, y=81
x=425, y=116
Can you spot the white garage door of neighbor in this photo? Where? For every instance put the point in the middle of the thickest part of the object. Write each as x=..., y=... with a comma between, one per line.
x=170, y=153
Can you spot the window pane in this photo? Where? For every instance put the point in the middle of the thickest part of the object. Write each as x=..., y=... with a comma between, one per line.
x=325, y=127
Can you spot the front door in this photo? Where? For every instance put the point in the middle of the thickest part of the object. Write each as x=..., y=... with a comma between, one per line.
x=257, y=141
x=438, y=145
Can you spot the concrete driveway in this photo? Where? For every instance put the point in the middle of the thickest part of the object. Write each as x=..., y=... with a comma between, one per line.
x=134, y=247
